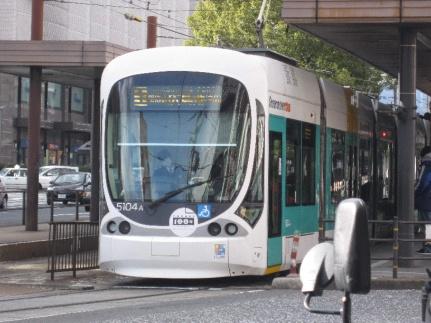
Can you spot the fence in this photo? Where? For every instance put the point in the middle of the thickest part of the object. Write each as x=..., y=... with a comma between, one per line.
x=73, y=246
x=395, y=240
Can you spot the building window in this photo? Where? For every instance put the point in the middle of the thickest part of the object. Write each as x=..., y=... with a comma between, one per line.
x=54, y=95
x=77, y=101
x=25, y=90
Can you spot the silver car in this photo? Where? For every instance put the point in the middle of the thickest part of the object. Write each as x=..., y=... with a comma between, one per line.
x=14, y=178
x=3, y=196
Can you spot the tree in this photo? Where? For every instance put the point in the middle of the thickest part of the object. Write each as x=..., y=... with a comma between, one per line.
x=231, y=23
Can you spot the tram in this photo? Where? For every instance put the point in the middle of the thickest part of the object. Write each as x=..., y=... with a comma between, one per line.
x=220, y=162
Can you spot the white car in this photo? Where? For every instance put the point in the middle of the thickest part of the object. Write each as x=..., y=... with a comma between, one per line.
x=49, y=173
x=3, y=196
x=14, y=178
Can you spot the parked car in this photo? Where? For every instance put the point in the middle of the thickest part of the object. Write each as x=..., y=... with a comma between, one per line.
x=49, y=173
x=3, y=196
x=65, y=187
x=14, y=178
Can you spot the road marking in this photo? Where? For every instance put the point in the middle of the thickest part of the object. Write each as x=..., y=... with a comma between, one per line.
x=64, y=214
x=379, y=263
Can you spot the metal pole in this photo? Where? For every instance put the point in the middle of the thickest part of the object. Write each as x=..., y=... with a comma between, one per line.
x=406, y=141
x=346, y=312
x=95, y=153
x=23, y=207
x=76, y=206
x=33, y=132
x=33, y=149
x=396, y=248
x=151, y=32
x=37, y=20
x=74, y=248
x=51, y=219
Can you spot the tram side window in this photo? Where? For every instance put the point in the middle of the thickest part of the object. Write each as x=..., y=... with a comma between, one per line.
x=293, y=162
x=308, y=163
x=365, y=168
x=300, y=163
x=337, y=167
x=385, y=166
x=251, y=209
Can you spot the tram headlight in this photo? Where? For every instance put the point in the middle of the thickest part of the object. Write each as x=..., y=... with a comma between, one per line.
x=111, y=227
x=124, y=227
x=214, y=229
x=231, y=229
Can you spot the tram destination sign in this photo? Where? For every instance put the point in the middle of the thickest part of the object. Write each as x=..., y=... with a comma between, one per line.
x=176, y=97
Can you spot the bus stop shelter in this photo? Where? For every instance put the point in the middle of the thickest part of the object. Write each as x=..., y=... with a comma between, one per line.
x=395, y=37
x=78, y=63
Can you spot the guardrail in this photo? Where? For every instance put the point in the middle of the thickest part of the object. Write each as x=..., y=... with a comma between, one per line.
x=73, y=246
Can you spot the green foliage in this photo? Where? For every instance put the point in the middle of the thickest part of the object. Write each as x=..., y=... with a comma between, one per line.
x=231, y=23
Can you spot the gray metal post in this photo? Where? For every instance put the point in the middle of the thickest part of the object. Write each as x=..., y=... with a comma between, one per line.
x=406, y=141
x=95, y=153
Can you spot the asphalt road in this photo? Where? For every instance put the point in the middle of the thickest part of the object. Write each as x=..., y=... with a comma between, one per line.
x=253, y=303
x=13, y=214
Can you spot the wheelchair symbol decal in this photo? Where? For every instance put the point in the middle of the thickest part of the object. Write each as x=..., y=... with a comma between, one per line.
x=204, y=211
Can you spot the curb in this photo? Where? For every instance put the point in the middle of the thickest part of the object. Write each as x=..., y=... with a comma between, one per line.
x=376, y=283
x=24, y=250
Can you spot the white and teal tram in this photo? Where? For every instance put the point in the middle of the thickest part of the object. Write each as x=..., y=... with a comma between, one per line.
x=213, y=161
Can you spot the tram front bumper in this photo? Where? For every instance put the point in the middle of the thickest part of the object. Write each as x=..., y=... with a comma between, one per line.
x=167, y=257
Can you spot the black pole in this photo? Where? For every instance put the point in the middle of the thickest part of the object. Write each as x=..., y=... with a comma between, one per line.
x=95, y=154
x=23, y=207
x=51, y=219
x=346, y=312
x=33, y=132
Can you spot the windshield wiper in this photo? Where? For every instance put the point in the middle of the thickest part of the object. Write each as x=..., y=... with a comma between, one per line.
x=171, y=194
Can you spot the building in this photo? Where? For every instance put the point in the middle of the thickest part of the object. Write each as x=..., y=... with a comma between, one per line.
x=66, y=103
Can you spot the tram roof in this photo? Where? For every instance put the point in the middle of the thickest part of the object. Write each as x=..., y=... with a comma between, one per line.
x=268, y=53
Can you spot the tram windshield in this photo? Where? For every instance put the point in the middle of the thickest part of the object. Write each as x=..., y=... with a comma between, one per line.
x=177, y=137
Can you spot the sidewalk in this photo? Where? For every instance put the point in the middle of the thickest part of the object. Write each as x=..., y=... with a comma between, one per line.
x=23, y=268
x=17, y=244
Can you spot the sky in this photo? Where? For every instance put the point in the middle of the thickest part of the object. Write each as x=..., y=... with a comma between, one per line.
x=422, y=100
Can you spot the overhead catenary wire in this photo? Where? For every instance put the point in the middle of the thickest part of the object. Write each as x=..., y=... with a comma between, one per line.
x=123, y=7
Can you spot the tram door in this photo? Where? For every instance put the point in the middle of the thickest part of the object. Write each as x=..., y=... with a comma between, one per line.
x=275, y=189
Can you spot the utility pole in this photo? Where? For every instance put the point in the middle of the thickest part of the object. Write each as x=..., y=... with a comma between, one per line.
x=151, y=28
x=33, y=127
x=151, y=32
x=260, y=23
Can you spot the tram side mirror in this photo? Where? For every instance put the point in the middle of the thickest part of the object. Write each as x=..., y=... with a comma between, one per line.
x=352, y=271
x=317, y=268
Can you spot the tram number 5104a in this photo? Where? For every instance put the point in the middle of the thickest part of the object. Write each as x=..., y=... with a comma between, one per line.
x=129, y=206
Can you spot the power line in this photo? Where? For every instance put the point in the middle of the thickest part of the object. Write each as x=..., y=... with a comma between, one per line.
x=123, y=7
x=153, y=11
x=131, y=17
